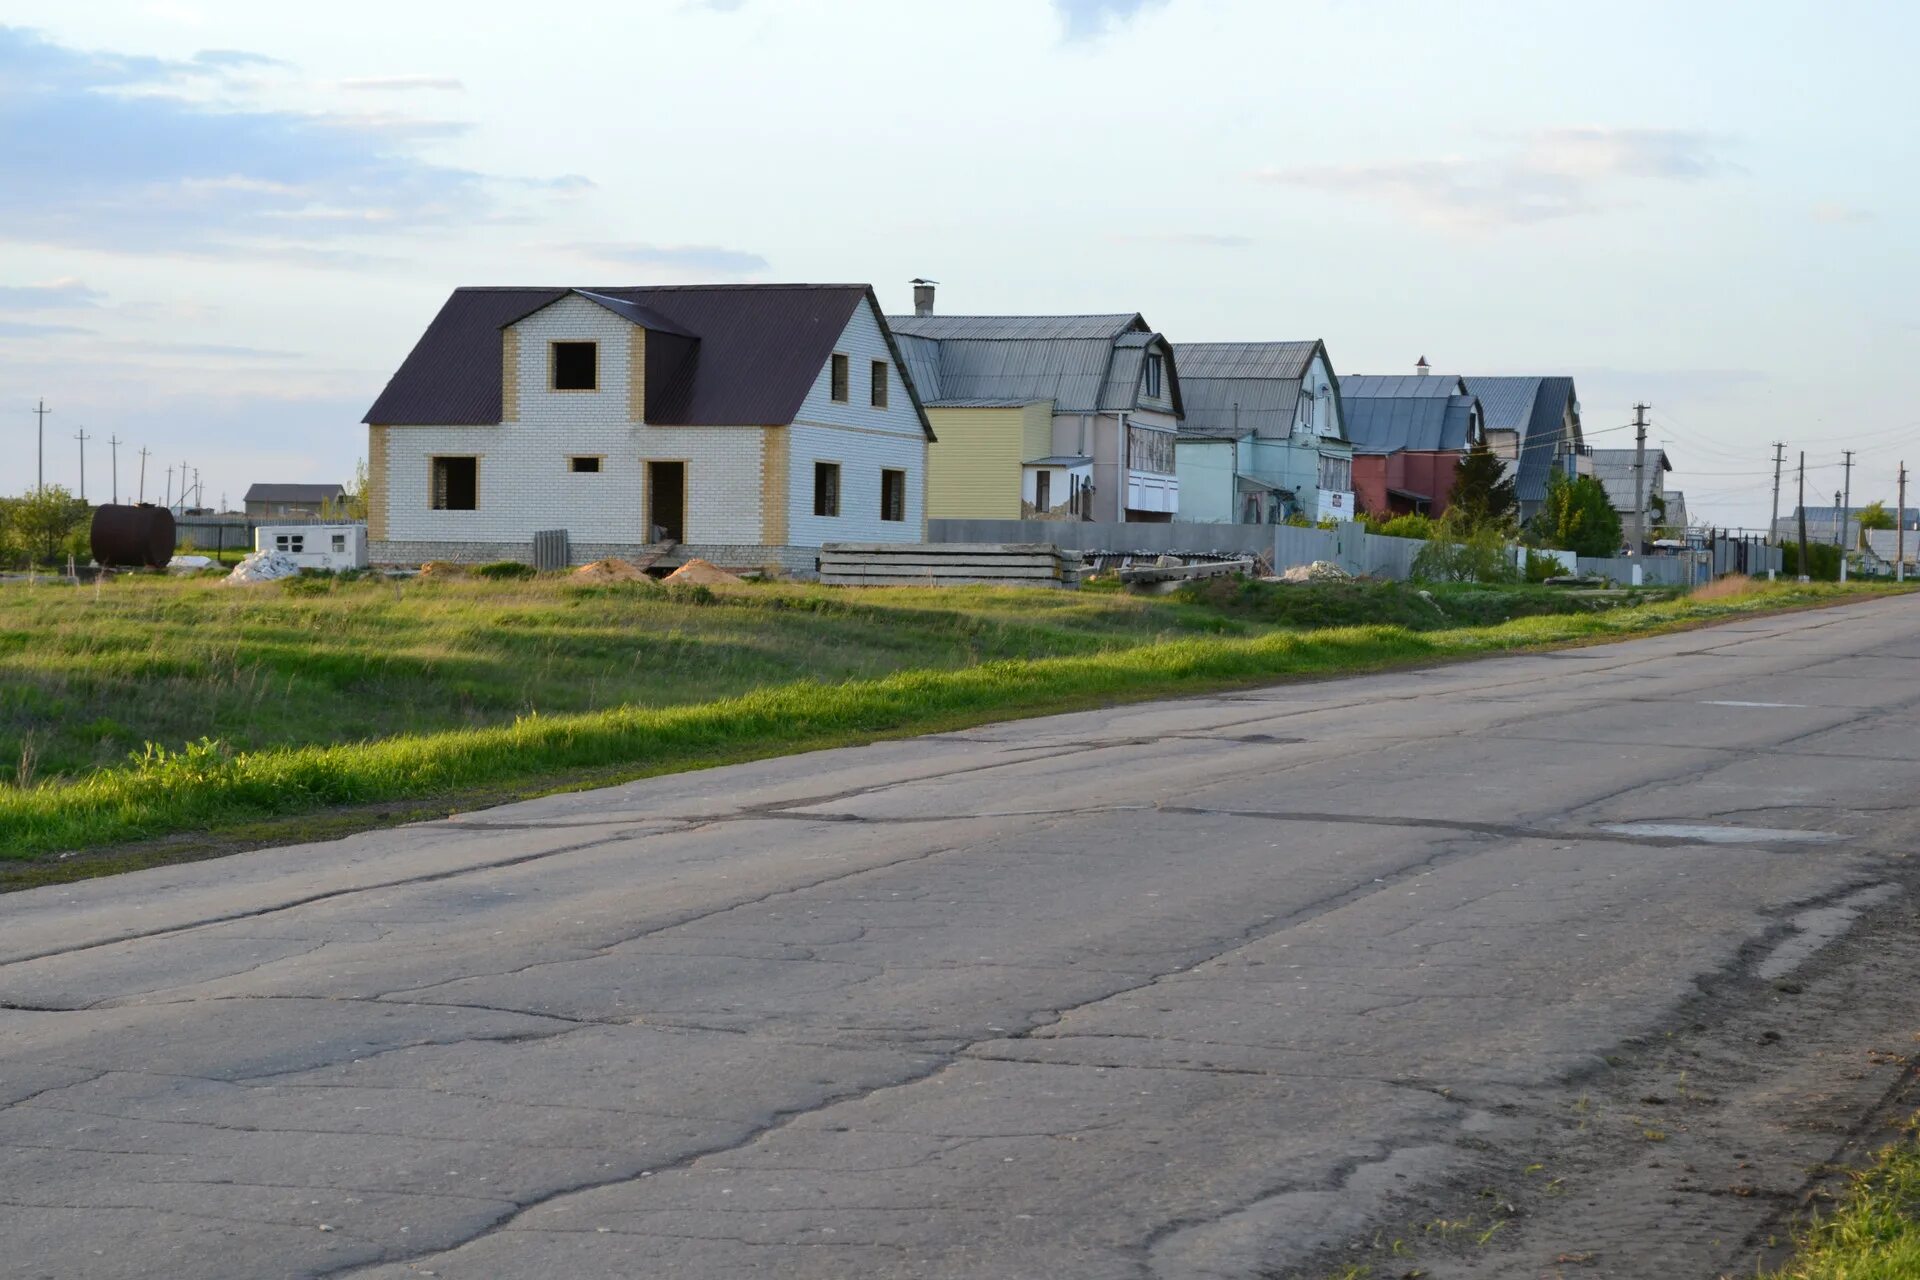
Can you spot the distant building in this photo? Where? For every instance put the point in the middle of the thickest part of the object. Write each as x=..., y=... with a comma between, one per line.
x=1613, y=468
x=1409, y=436
x=1823, y=522
x=267, y=500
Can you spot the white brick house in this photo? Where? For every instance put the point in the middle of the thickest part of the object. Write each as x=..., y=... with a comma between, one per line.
x=748, y=424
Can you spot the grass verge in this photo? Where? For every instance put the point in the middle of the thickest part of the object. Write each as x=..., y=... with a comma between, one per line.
x=209, y=786
x=1874, y=1234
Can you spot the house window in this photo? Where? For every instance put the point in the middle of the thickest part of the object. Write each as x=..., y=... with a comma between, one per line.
x=839, y=379
x=1042, y=491
x=456, y=484
x=826, y=485
x=576, y=366
x=1154, y=375
x=339, y=543
x=1336, y=474
x=893, y=494
x=879, y=384
x=584, y=463
x=1306, y=409
x=292, y=543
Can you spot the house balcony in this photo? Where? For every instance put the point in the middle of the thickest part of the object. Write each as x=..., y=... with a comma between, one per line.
x=1152, y=491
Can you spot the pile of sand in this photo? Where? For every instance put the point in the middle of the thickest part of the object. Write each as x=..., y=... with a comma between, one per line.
x=610, y=570
x=701, y=573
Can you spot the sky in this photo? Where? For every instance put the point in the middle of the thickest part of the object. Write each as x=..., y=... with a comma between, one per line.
x=223, y=224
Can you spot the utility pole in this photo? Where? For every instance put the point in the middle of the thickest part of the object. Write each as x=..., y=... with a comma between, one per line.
x=183, y=486
x=40, y=473
x=1639, y=482
x=169, y=486
x=1846, y=499
x=1804, y=575
x=1900, y=527
x=1773, y=525
x=113, y=444
x=82, y=438
x=199, y=494
x=143, y=473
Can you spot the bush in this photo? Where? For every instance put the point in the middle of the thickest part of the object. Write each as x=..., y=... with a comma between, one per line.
x=1824, y=558
x=505, y=570
x=1540, y=568
x=1410, y=526
x=1455, y=553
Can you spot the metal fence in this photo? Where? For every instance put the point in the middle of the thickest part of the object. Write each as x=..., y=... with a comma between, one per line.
x=1348, y=545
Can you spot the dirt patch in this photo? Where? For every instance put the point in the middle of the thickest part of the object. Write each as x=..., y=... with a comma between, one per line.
x=701, y=573
x=442, y=569
x=610, y=570
x=1727, y=588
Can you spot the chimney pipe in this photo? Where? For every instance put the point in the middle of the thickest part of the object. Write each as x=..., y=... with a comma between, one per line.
x=923, y=296
x=1423, y=368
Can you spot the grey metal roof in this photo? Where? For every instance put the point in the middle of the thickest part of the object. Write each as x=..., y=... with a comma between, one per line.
x=1059, y=460
x=1402, y=386
x=758, y=350
x=1210, y=434
x=980, y=402
x=1016, y=328
x=1232, y=388
x=1613, y=468
x=1083, y=364
x=1506, y=402
x=1388, y=424
x=294, y=493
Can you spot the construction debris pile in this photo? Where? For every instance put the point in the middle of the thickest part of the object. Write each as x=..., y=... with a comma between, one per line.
x=701, y=573
x=264, y=566
x=1318, y=571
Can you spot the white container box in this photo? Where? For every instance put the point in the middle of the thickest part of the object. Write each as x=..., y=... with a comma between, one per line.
x=316, y=546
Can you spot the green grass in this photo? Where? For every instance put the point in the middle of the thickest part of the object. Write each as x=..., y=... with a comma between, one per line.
x=276, y=701
x=1874, y=1233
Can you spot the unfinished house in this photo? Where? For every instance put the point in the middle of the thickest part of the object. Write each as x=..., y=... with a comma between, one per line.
x=744, y=424
x=1045, y=417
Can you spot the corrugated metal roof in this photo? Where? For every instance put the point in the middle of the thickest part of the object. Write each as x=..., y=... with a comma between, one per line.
x=1017, y=328
x=645, y=317
x=1232, y=388
x=1388, y=424
x=293, y=493
x=1252, y=360
x=1060, y=460
x=1613, y=468
x=1507, y=402
x=1083, y=364
x=756, y=353
x=1402, y=386
x=980, y=402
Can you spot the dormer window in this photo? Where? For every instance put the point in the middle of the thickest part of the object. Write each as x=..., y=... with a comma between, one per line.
x=576, y=366
x=1155, y=372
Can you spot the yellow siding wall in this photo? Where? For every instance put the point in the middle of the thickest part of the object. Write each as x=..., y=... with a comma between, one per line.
x=973, y=469
x=377, y=483
x=1037, y=428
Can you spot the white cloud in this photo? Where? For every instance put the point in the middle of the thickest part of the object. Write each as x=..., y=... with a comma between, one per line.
x=1087, y=19
x=403, y=84
x=1553, y=173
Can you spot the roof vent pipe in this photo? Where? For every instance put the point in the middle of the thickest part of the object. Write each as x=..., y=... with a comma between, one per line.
x=1423, y=368
x=923, y=296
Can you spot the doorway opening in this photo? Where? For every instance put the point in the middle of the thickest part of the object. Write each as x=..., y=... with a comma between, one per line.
x=666, y=502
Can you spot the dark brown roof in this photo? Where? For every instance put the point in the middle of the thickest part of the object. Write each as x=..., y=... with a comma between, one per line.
x=755, y=352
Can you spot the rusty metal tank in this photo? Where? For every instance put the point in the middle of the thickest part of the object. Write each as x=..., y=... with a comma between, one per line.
x=133, y=535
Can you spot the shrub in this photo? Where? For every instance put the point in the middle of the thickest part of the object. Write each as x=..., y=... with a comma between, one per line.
x=504, y=570
x=1824, y=558
x=1409, y=526
x=1578, y=516
x=1457, y=553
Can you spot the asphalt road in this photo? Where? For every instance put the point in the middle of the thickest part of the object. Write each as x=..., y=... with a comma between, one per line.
x=1204, y=988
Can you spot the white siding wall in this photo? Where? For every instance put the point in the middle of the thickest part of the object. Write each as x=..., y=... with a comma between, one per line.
x=879, y=438
x=525, y=484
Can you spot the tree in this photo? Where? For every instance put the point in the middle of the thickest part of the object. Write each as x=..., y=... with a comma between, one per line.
x=1483, y=493
x=1578, y=517
x=47, y=518
x=351, y=505
x=1873, y=516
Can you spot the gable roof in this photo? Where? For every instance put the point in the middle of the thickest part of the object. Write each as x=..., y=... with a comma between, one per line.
x=1537, y=409
x=1084, y=364
x=294, y=493
x=755, y=351
x=1402, y=386
x=1613, y=468
x=1234, y=388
